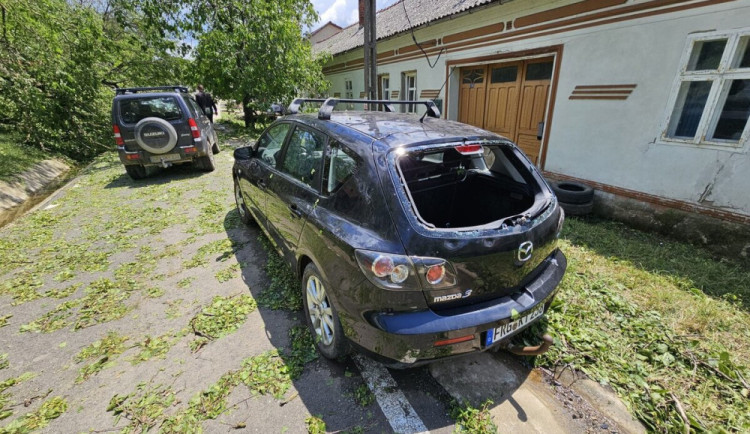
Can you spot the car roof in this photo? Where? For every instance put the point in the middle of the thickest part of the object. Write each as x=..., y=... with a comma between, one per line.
x=397, y=129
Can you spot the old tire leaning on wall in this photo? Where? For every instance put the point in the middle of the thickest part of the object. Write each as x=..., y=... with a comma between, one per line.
x=574, y=197
x=577, y=209
x=572, y=192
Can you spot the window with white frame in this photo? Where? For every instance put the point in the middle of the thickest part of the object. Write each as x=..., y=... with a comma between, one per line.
x=410, y=89
x=711, y=99
x=385, y=86
x=349, y=93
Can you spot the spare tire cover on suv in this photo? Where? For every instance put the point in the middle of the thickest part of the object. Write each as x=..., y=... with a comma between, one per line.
x=155, y=135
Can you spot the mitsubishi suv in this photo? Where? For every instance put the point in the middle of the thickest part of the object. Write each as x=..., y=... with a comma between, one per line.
x=161, y=126
x=414, y=238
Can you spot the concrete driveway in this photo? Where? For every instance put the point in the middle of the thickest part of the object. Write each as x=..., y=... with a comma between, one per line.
x=129, y=306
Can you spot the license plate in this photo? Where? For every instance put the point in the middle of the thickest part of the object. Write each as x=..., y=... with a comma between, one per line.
x=498, y=333
x=165, y=157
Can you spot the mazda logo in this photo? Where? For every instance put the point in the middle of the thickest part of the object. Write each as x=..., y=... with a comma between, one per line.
x=525, y=250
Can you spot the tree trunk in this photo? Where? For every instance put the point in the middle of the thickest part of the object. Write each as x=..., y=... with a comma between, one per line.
x=249, y=114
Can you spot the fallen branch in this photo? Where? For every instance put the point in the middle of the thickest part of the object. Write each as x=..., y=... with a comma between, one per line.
x=681, y=411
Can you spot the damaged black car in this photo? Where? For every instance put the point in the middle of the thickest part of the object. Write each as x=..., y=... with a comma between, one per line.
x=414, y=238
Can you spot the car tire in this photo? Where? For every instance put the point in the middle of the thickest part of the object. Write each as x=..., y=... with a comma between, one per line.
x=572, y=192
x=577, y=209
x=215, y=147
x=136, y=171
x=156, y=126
x=322, y=318
x=206, y=163
x=245, y=215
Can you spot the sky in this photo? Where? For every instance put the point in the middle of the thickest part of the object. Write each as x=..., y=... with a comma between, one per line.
x=342, y=12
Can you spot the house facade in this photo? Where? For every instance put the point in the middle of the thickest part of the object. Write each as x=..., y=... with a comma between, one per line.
x=644, y=99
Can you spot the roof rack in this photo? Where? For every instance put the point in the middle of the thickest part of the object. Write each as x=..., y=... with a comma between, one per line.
x=126, y=90
x=328, y=105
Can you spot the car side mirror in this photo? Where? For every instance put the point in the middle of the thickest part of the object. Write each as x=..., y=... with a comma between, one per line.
x=244, y=153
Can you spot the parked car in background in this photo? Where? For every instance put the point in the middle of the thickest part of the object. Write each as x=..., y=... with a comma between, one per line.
x=414, y=238
x=161, y=126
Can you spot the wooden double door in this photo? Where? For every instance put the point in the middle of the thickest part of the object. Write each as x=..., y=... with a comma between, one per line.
x=508, y=98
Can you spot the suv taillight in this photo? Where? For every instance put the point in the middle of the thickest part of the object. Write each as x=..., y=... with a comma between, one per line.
x=118, y=136
x=194, y=129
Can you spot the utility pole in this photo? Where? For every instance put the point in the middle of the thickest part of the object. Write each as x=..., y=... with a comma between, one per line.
x=371, y=52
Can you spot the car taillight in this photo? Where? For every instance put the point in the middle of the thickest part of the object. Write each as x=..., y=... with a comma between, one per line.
x=118, y=136
x=435, y=274
x=386, y=270
x=469, y=149
x=194, y=129
x=391, y=271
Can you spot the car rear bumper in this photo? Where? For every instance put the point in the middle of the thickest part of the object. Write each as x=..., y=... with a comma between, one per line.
x=408, y=339
x=179, y=154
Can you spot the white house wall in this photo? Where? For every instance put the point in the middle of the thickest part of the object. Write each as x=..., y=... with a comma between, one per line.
x=611, y=142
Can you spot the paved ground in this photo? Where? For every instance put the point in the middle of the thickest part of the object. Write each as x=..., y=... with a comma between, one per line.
x=103, y=293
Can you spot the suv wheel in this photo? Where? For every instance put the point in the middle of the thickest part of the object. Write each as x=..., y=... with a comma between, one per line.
x=136, y=172
x=207, y=162
x=321, y=315
x=215, y=148
x=241, y=208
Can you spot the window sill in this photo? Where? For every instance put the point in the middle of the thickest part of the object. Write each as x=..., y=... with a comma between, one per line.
x=740, y=148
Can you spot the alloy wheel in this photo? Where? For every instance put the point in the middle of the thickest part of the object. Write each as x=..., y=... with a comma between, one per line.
x=319, y=308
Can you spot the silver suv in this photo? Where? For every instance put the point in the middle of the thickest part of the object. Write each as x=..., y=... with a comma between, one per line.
x=161, y=126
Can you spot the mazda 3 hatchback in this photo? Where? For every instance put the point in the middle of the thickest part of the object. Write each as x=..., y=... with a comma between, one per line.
x=414, y=238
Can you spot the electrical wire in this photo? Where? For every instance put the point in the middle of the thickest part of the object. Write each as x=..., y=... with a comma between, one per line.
x=414, y=38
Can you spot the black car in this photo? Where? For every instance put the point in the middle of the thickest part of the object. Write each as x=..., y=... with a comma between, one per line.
x=161, y=126
x=414, y=238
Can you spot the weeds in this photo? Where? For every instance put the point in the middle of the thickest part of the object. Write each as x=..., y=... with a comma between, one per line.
x=473, y=420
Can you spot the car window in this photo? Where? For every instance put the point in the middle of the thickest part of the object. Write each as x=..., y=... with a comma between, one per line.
x=269, y=144
x=194, y=109
x=304, y=156
x=134, y=109
x=340, y=165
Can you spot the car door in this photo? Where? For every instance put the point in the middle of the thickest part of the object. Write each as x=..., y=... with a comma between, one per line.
x=204, y=123
x=294, y=192
x=259, y=170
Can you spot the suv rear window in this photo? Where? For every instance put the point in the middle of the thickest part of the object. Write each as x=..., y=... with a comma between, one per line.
x=135, y=109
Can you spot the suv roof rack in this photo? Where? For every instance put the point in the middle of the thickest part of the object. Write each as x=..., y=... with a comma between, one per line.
x=126, y=90
x=328, y=105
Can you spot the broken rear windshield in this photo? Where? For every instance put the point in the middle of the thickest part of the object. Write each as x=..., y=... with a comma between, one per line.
x=164, y=107
x=450, y=189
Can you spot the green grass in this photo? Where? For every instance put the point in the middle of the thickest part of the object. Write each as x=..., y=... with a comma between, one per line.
x=15, y=158
x=662, y=322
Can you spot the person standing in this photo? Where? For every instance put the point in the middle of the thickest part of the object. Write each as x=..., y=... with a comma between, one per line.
x=206, y=103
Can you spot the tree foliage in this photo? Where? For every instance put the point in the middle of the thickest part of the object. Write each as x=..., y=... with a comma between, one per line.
x=58, y=63
x=251, y=51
